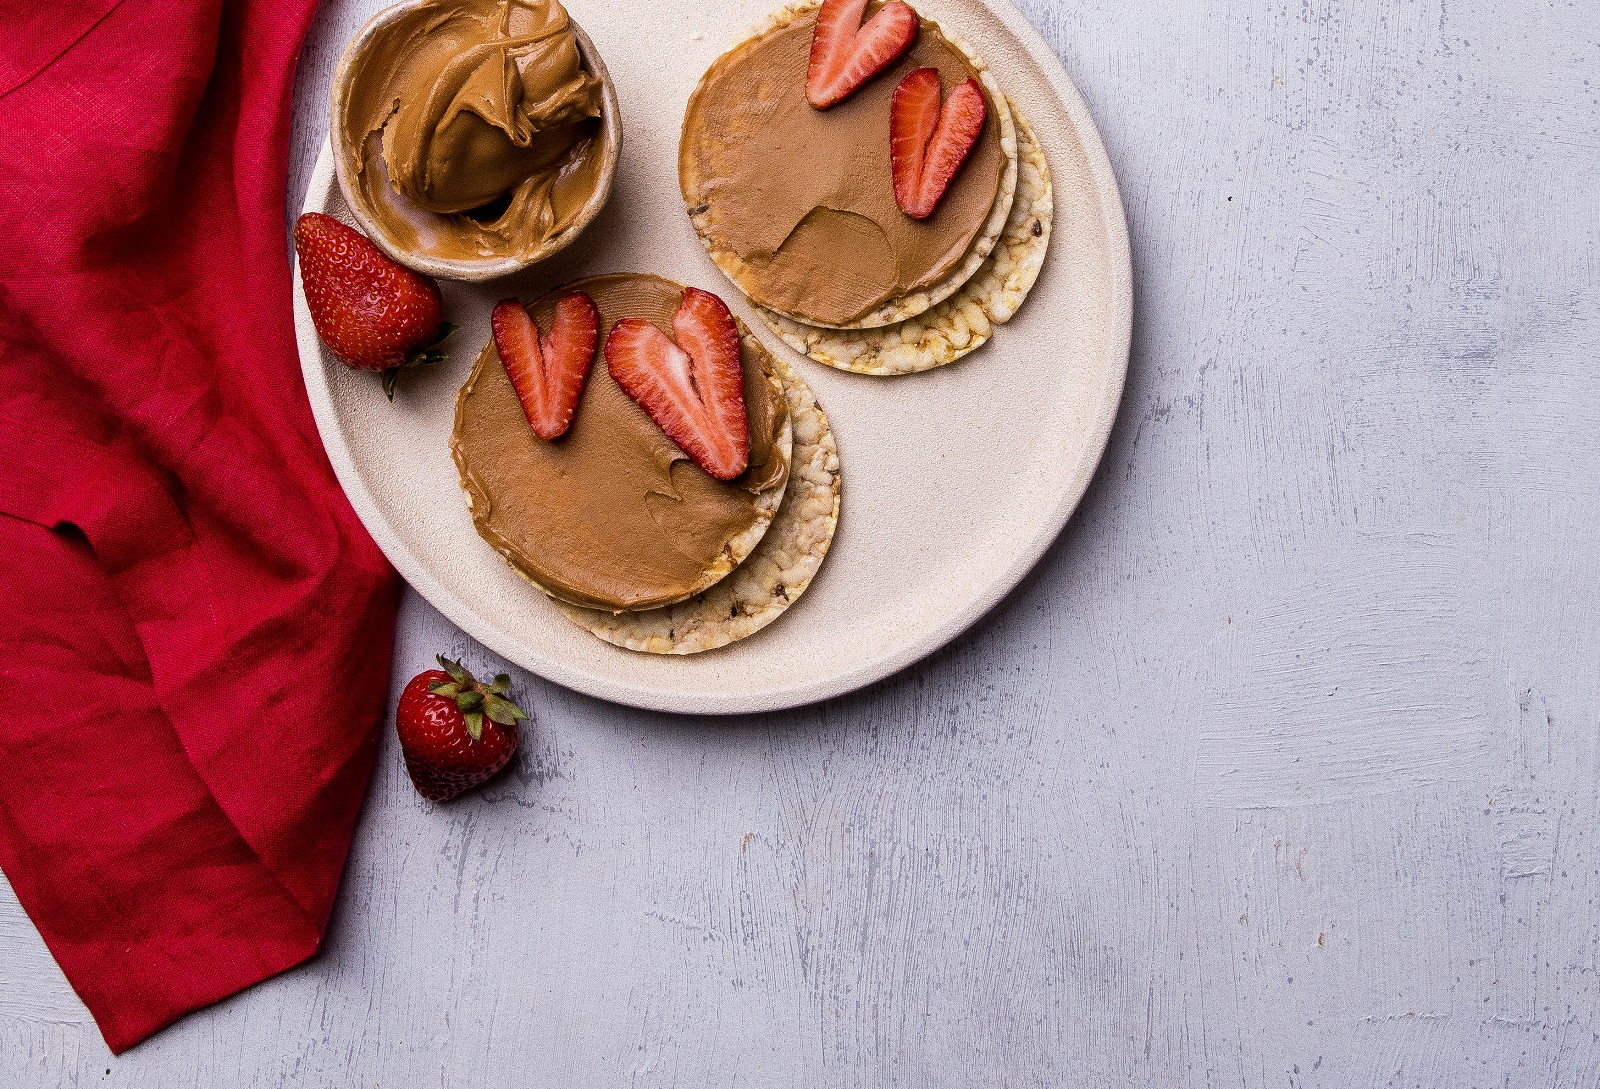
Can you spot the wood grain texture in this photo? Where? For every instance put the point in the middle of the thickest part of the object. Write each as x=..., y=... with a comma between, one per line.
x=1282, y=769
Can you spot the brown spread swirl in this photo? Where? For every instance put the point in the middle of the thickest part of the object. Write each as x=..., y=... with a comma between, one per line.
x=474, y=127
x=612, y=515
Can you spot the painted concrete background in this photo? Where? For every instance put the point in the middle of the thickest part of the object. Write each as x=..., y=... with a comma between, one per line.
x=1282, y=770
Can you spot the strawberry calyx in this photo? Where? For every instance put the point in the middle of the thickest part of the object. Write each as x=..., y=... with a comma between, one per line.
x=475, y=699
x=426, y=353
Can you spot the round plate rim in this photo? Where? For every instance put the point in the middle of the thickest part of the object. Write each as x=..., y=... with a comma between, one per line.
x=860, y=675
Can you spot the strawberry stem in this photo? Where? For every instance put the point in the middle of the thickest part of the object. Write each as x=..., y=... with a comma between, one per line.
x=427, y=353
x=477, y=701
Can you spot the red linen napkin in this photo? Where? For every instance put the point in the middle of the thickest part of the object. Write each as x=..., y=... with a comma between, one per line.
x=196, y=629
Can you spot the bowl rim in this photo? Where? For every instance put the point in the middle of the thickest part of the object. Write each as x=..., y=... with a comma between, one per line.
x=488, y=268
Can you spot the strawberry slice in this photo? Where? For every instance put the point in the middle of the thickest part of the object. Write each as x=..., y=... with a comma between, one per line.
x=694, y=389
x=548, y=372
x=845, y=54
x=927, y=145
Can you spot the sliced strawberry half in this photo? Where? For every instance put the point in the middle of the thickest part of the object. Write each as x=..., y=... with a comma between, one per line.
x=927, y=144
x=845, y=54
x=548, y=372
x=694, y=389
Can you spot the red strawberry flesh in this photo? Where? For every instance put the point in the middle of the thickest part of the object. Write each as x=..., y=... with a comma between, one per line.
x=692, y=389
x=372, y=313
x=845, y=54
x=548, y=371
x=927, y=143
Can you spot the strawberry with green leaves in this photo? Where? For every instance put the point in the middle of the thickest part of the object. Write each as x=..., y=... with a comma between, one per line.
x=454, y=731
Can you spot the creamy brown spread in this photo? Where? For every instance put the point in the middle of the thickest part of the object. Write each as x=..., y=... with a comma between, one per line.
x=477, y=127
x=611, y=515
x=805, y=198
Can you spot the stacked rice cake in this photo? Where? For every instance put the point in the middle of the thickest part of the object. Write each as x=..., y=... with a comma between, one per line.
x=614, y=522
x=796, y=205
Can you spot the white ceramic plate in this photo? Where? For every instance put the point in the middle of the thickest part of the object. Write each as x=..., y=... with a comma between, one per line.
x=955, y=481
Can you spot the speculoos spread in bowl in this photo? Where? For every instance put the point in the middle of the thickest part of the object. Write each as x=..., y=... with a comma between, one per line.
x=472, y=138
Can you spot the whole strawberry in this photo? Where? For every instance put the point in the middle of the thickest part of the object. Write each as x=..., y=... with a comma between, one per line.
x=455, y=733
x=373, y=314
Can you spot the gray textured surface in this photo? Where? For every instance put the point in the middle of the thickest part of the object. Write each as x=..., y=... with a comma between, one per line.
x=1281, y=771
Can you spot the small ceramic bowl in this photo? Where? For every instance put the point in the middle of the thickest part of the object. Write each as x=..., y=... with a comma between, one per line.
x=487, y=268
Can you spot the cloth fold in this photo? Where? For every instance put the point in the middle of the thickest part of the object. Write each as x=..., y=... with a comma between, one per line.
x=196, y=629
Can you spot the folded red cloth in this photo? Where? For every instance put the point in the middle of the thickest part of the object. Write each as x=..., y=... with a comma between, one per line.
x=197, y=630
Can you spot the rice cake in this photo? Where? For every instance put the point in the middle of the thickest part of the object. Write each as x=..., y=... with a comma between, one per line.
x=813, y=240
x=613, y=515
